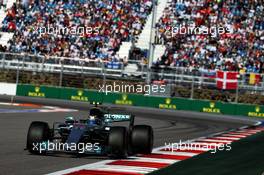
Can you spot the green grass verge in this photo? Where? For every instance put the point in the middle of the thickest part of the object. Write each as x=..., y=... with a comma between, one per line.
x=245, y=158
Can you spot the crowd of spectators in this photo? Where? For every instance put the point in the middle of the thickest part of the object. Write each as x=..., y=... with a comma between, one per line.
x=3, y=4
x=104, y=25
x=239, y=48
x=110, y=22
x=2, y=48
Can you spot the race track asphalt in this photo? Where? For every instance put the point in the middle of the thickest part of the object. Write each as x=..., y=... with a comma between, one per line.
x=169, y=127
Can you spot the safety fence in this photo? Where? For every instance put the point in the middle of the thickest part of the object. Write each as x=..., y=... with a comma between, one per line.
x=20, y=65
x=83, y=95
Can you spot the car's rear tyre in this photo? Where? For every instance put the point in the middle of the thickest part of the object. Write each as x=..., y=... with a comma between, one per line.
x=38, y=133
x=118, y=142
x=141, y=139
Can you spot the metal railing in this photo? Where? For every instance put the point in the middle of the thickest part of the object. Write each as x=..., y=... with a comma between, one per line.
x=74, y=66
x=62, y=65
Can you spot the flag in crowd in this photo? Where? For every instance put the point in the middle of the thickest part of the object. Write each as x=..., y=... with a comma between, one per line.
x=227, y=80
x=254, y=78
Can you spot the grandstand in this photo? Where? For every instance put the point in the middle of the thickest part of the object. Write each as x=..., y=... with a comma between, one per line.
x=116, y=22
x=240, y=48
x=48, y=42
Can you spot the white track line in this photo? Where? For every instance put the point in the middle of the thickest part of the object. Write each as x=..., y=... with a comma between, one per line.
x=215, y=141
x=228, y=138
x=176, y=153
x=240, y=134
x=42, y=108
x=82, y=167
x=154, y=160
x=123, y=168
x=235, y=135
x=9, y=104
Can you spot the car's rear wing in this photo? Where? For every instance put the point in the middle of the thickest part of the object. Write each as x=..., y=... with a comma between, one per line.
x=119, y=118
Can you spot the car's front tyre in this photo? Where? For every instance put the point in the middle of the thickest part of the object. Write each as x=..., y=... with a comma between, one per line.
x=141, y=139
x=118, y=142
x=38, y=133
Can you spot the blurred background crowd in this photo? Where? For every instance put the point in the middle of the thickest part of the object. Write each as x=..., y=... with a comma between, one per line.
x=116, y=20
x=242, y=49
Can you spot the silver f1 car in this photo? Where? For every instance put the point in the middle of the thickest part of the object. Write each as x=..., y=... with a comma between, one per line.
x=95, y=135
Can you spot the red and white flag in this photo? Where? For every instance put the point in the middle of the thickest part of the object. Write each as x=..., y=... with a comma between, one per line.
x=227, y=80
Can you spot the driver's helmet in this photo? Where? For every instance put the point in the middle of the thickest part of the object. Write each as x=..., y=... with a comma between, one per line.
x=69, y=120
x=93, y=120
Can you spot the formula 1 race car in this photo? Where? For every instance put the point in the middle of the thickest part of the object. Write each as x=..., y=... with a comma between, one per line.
x=95, y=135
